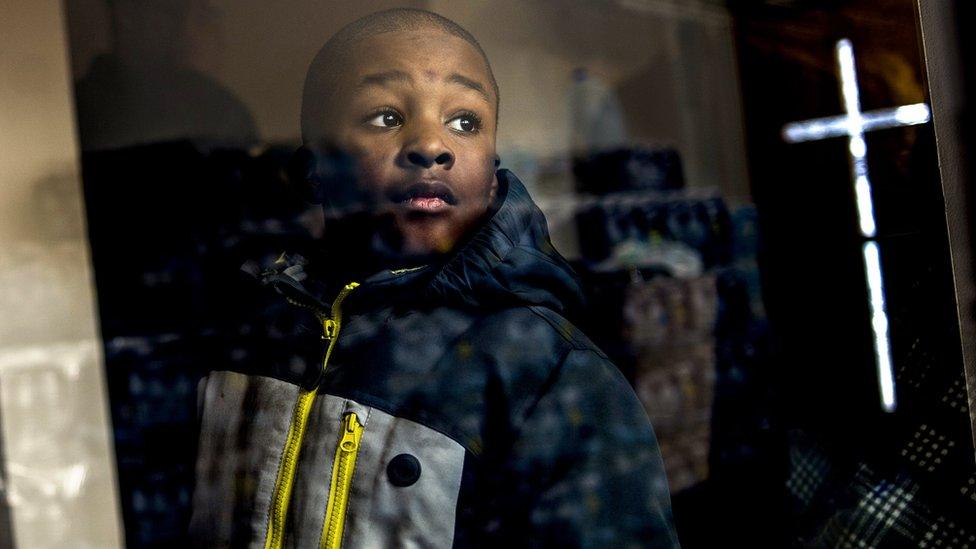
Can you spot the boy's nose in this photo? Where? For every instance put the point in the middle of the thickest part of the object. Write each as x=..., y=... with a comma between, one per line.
x=427, y=150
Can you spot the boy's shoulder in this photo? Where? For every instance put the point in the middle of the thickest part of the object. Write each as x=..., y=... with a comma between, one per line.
x=531, y=330
x=567, y=330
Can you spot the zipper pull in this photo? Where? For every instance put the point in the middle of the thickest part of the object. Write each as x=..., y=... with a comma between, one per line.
x=348, y=442
x=329, y=329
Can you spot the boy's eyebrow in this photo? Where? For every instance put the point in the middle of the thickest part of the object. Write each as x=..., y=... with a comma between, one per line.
x=456, y=78
x=386, y=77
x=383, y=78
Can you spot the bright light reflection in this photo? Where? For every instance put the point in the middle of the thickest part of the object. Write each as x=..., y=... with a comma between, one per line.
x=879, y=324
x=836, y=126
x=865, y=209
x=858, y=147
x=853, y=124
x=848, y=78
x=913, y=114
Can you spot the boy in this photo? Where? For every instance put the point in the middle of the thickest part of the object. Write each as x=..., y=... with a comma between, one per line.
x=455, y=404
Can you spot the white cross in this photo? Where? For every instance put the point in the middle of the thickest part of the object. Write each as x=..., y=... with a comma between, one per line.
x=853, y=125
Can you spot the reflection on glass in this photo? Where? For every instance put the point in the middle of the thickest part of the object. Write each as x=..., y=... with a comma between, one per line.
x=755, y=354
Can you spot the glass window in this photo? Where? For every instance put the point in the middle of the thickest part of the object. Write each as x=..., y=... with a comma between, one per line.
x=744, y=238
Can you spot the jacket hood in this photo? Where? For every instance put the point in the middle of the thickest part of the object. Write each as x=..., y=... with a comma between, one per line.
x=509, y=261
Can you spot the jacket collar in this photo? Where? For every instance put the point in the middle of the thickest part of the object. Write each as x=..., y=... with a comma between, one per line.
x=508, y=261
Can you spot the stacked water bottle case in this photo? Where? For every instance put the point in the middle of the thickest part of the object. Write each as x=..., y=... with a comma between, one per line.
x=666, y=270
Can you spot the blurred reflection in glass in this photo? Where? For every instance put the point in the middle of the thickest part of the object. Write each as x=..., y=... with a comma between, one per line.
x=149, y=87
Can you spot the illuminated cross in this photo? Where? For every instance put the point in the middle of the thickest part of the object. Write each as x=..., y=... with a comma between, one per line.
x=853, y=125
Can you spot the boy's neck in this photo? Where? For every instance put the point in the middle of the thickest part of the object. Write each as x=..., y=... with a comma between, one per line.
x=357, y=253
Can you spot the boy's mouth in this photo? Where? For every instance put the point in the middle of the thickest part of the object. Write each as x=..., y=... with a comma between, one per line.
x=424, y=196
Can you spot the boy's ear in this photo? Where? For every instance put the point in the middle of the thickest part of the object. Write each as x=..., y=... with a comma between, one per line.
x=494, y=181
x=324, y=175
x=301, y=173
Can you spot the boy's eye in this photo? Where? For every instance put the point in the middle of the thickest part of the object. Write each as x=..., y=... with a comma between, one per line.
x=466, y=123
x=386, y=119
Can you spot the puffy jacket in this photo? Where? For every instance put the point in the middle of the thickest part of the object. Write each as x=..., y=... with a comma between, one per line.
x=448, y=405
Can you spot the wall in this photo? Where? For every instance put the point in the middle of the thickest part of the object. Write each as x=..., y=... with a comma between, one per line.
x=671, y=64
x=947, y=87
x=58, y=463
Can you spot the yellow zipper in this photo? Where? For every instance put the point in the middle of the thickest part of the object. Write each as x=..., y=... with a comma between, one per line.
x=296, y=432
x=342, y=469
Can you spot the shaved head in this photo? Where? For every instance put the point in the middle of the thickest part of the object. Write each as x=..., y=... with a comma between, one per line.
x=332, y=60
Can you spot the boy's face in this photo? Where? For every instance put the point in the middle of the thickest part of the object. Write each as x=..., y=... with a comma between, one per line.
x=417, y=112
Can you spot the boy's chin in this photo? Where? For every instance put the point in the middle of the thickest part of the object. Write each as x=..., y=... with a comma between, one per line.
x=408, y=249
x=420, y=237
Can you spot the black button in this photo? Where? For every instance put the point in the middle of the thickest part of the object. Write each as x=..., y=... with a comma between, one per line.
x=403, y=470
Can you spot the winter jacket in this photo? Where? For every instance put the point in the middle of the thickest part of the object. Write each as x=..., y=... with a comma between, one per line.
x=448, y=405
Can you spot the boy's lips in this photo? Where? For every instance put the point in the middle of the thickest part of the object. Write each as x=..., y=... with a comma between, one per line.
x=425, y=196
